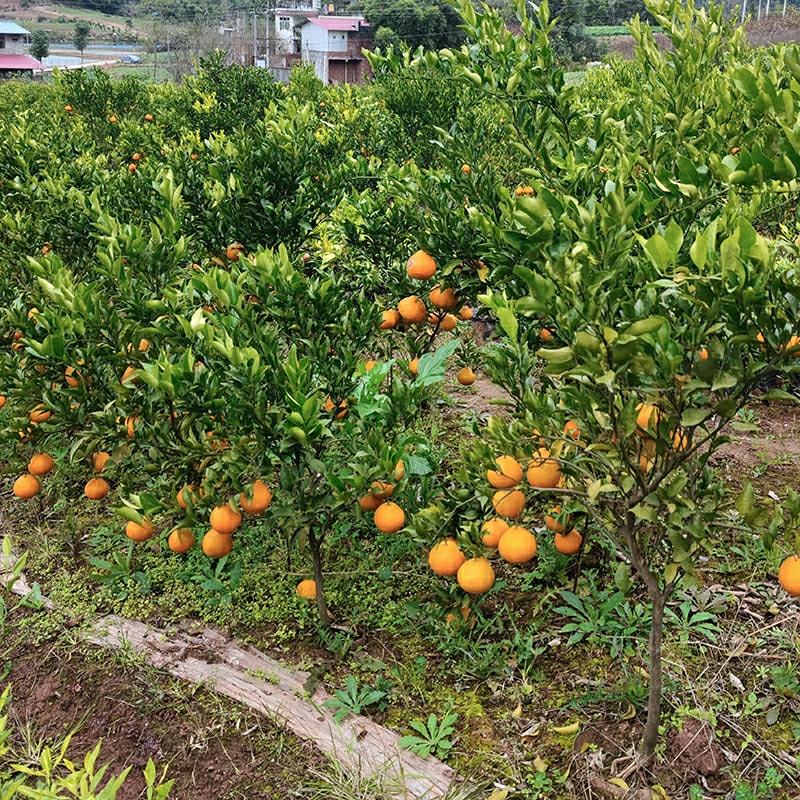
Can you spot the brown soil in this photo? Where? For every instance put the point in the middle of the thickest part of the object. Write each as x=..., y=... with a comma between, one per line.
x=211, y=748
x=768, y=457
x=480, y=398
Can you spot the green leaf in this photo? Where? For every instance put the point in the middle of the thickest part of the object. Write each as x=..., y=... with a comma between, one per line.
x=659, y=251
x=694, y=416
x=432, y=366
x=745, y=500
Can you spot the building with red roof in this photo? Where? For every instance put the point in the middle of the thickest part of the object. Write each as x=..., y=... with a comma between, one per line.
x=14, y=58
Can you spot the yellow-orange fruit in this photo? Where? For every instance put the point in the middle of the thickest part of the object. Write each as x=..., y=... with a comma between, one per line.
x=552, y=524
x=465, y=376
x=3, y=400
x=225, y=519
x=452, y=617
x=130, y=425
x=41, y=464
x=571, y=430
x=680, y=440
x=216, y=544
x=96, y=489
x=307, y=589
x=129, y=375
x=99, y=460
x=568, y=543
x=389, y=518
x=702, y=354
x=446, y=557
x=68, y=108
x=261, y=498
x=370, y=365
x=492, y=530
x=328, y=406
x=420, y=266
x=413, y=366
x=132, y=168
x=144, y=345
x=647, y=417
x=113, y=119
x=369, y=502
x=508, y=503
x=136, y=157
x=466, y=169
x=412, y=310
x=233, y=251
x=507, y=475
x=389, y=319
x=475, y=576
x=524, y=191
x=148, y=117
x=400, y=470
x=139, y=533
x=181, y=540
x=443, y=298
x=39, y=414
x=543, y=472
x=517, y=545
x=26, y=486
x=789, y=575
x=546, y=335
x=382, y=490
x=184, y=495
x=464, y=313
x=72, y=377
x=448, y=323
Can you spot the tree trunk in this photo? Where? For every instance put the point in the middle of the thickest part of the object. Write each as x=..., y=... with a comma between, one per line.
x=650, y=737
x=316, y=555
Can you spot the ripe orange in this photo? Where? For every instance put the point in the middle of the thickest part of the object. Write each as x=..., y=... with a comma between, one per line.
x=46, y=248
x=26, y=486
x=413, y=366
x=546, y=335
x=420, y=266
x=476, y=576
x=508, y=503
x=113, y=119
x=370, y=365
x=443, y=298
x=389, y=518
x=369, y=502
x=412, y=309
x=382, y=490
x=507, y=475
x=328, y=406
x=389, y=319
x=543, y=472
x=72, y=377
x=447, y=323
x=492, y=530
x=466, y=169
x=136, y=157
x=139, y=533
x=261, y=498
x=181, y=540
x=41, y=464
x=680, y=440
x=68, y=108
x=400, y=470
x=792, y=347
x=99, y=460
x=464, y=313
x=130, y=425
x=452, y=617
x=446, y=557
x=307, y=589
x=184, y=495
x=224, y=519
x=39, y=414
x=524, y=191
x=789, y=575
x=233, y=251
x=3, y=400
x=129, y=375
x=216, y=544
x=466, y=377
x=96, y=489
x=568, y=543
x=571, y=430
x=647, y=417
x=144, y=345
x=132, y=167
x=517, y=545
x=702, y=354
x=148, y=117
x=552, y=524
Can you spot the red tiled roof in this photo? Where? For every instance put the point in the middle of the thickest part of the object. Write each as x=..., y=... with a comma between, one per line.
x=338, y=23
x=18, y=62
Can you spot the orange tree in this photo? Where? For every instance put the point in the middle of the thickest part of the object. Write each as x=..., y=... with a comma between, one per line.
x=631, y=252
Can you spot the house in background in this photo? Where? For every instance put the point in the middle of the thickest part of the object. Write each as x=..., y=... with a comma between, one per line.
x=14, y=58
x=333, y=45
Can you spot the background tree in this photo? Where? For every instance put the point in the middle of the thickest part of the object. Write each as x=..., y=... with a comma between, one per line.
x=414, y=24
x=80, y=37
x=40, y=45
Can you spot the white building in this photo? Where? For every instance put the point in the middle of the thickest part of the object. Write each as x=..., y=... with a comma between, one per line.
x=333, y=45
x=14, y=58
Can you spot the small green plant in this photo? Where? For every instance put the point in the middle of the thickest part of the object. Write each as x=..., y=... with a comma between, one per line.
x=119, y=574
x=763, y=790
x=218, y=579
x=432, y=737
x=688, y=621
x=353, y=699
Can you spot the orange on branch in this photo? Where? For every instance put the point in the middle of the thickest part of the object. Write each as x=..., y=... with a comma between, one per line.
x=225, y=519
x=507, y=475
x=476, y=576
x=492, y=531
x=389, y=518
x=446, y=558
x=517, y=545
